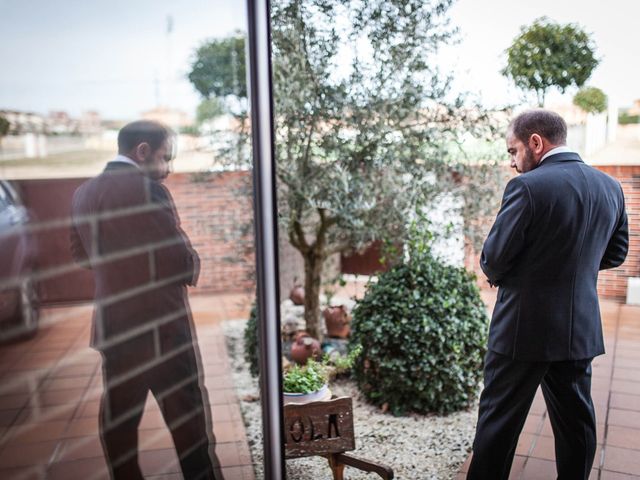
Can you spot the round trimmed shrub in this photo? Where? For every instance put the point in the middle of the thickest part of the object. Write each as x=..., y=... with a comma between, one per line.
x=423, y=331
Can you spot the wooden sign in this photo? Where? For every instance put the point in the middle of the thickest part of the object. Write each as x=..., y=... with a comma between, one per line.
x=319, y=428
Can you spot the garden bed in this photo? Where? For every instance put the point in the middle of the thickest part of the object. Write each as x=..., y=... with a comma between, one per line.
x=416, y=446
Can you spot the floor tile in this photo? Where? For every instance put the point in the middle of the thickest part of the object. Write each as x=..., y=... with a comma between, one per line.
x=624, y=401
x=34, y=472
x=624, y=418
x=35, y=432
x=23, y=456
x=618, y=436
x=538, y=469
x=79, y=448
x=622, y=460
x=85, y=469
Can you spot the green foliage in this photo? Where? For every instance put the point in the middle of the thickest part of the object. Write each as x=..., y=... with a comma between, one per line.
x=343, y=363
x=305, y=379
x=218, y=69
x=5, y=125
x=423, y=330
x=251, y=349
x=361, y=147
x=208, y=109
x=218, y=73
x=591, y=100
x=625, y=119
x=547, y=54
x=189, y=130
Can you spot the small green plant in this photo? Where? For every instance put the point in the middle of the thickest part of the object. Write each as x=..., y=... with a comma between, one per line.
x=251, y=341
x=342, y=363
x=312, y=376
x=305, y=379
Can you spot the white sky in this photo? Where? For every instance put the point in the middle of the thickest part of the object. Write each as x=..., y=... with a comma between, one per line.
x=489, y=26
x=105, y=55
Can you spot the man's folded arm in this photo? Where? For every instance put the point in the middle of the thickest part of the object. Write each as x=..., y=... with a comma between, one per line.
x=78, y=252
x=507, y=236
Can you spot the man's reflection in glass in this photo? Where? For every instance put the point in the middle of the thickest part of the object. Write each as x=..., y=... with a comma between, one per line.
x=125, y=228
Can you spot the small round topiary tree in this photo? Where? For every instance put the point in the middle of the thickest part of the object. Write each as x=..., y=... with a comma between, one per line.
x=423, y=332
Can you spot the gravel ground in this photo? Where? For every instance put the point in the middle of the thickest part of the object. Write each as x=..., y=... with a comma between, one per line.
x=417, y=447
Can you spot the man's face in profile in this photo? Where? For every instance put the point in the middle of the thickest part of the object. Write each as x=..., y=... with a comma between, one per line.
x=158, y=163
x=521, y=156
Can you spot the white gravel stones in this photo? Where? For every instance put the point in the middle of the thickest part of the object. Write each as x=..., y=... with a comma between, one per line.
x=417, y=447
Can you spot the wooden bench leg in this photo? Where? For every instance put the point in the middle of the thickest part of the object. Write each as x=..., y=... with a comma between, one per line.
x=337, y=467
x=384, y=471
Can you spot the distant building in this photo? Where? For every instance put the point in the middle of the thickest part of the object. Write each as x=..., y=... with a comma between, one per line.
x=60, y=123
x=172, y=117
x=634, y=109
x=24, y=122
x=90, y=123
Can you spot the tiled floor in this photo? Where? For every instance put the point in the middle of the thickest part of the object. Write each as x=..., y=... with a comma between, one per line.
x=50, y=387
x=49, y=396
x=616, y=396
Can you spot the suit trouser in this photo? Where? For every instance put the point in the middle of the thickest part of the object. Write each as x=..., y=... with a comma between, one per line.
x=130, y=371
x=509, y=390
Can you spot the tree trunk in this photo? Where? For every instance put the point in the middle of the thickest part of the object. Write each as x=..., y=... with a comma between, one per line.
x=312, y=278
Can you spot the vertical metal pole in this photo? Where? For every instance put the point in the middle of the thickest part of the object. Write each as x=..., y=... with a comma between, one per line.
x=266, y=235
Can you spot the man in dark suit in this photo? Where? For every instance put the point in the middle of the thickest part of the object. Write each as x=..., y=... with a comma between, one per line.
x=561, y=221
x=125, y=228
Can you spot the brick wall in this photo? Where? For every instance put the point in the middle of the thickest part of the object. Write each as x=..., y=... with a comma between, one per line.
x=613, y=283
x=215, y=211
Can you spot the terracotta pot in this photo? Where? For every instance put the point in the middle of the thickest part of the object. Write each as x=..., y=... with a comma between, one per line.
x=297, y=295
x=304, y=348
x=338, y=321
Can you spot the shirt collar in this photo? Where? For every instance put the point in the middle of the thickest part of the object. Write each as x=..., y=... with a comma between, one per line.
x=123, y=159
x=553, y=151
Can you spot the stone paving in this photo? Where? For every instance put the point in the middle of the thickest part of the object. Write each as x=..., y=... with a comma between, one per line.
x=616, y=396
x=50, y=388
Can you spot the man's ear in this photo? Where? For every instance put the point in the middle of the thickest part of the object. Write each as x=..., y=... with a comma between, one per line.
x=536, y=144
x=142, y=151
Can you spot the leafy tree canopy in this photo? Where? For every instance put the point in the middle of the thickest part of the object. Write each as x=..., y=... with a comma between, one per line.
x=547, y=54
x=591, y=100
x=218, y=68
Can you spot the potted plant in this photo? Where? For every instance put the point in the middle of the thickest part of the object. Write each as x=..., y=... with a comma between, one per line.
x=304, y=384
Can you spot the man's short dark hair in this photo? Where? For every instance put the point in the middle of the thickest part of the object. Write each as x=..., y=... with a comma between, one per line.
x=545, y=123
x=142, y=131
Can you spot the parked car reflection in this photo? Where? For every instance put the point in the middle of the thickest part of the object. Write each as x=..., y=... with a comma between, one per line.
x=19, y=304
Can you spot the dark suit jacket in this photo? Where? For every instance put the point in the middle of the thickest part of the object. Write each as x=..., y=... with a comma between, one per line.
x=559, y=224
x=126, y=230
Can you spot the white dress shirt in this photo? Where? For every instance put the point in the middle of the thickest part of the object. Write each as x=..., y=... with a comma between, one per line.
x=123, y=159
x=553, y=151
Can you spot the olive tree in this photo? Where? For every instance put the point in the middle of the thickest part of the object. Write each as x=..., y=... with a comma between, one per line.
x=367, y=127
x=368, y=131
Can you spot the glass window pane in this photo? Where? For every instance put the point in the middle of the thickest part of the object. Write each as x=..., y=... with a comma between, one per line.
x=127, y=267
